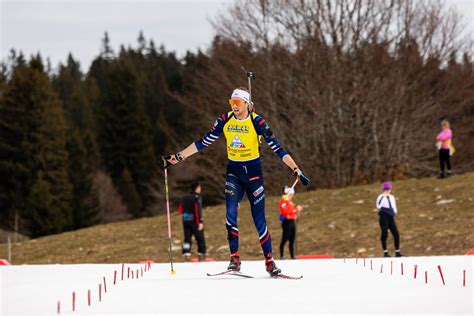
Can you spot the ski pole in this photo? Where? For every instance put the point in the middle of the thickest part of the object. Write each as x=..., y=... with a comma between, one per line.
x=169, y=220
x=294, y=184
x=296, y=239
x=250, y=76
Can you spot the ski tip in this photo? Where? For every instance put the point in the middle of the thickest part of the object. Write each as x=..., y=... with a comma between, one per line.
x=230, y=272
x=287, y=277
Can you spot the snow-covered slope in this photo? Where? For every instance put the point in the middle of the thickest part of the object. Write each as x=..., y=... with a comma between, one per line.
x=328, y=286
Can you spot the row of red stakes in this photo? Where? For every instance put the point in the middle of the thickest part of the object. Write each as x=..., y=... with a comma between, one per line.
x=129, y=272
x=415, y=271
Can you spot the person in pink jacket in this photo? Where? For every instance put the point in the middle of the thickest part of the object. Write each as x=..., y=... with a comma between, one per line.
x=445, y=148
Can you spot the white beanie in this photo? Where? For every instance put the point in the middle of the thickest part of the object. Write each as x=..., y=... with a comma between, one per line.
x=242, y=94
x=288, y=190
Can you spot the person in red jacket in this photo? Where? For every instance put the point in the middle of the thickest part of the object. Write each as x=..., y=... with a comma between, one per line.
x=288, y=215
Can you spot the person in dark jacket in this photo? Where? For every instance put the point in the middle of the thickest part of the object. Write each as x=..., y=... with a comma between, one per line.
x=190, y=208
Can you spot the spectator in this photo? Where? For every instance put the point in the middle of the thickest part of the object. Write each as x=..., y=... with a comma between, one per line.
x=445, y=148
x=387, y=207
x=191, y=209
x=288, y=215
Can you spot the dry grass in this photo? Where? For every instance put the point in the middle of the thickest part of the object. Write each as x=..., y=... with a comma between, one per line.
x=340, y=222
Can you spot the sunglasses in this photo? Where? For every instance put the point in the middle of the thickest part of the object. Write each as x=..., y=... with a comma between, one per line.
x=237, y=102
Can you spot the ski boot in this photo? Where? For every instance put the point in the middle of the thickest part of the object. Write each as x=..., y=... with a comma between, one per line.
x=398, y=254
x=187, y=257
x=270, y=264
x=201, y=257
x=234, y=264
x=386, y=255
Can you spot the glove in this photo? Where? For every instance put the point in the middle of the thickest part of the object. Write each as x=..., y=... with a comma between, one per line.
x=167, y=161
x=304, y=179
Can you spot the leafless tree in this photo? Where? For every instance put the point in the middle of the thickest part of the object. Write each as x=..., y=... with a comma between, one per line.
x=354, y=89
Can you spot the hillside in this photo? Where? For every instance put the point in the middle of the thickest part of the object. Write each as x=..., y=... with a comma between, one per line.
x=436, y=217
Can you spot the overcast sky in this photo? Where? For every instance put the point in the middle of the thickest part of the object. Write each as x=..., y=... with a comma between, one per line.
x=58, y=27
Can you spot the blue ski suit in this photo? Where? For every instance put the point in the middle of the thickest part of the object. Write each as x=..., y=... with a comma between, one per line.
x=244, y=171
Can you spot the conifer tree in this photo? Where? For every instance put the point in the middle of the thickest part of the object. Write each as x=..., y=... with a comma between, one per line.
x=32, y=145
x=43, y=216
x=124, y=131
x=107, y=51
x=85, y=200
x=128, y=190
x=82, y=146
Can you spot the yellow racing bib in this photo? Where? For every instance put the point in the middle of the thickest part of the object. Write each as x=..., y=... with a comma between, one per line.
x=242, y=139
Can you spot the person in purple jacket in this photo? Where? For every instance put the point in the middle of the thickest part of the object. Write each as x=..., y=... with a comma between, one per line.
x=445, y=148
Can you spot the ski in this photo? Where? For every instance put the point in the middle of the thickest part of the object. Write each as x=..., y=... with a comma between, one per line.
x=231, y=272
x=288, y=277
x=240, y=274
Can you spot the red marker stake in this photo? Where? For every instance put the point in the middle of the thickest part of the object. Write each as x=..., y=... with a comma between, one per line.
x=105, y=286
x=89, y=297
x=132, y=275
x=415, y=271
x=441, y=274
x=141, y=271
x=371, y=265
x=402, y=268
x=73, y=301
x=59, y=307
x=364, y=261
x=100, y=292
x=464, y=278
x=137, y=273
x=381, y=268
x=115, y=276
x=357, y=259
x=391, y=267
x=123, y=267
x=426, y=277
x=128, y=273
x=149, y=265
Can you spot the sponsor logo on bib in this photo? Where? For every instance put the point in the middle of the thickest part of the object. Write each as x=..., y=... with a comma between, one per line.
x=237, y=143
x=238, y=128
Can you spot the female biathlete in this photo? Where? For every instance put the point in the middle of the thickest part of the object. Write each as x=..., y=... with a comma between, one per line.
x=242, y=129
